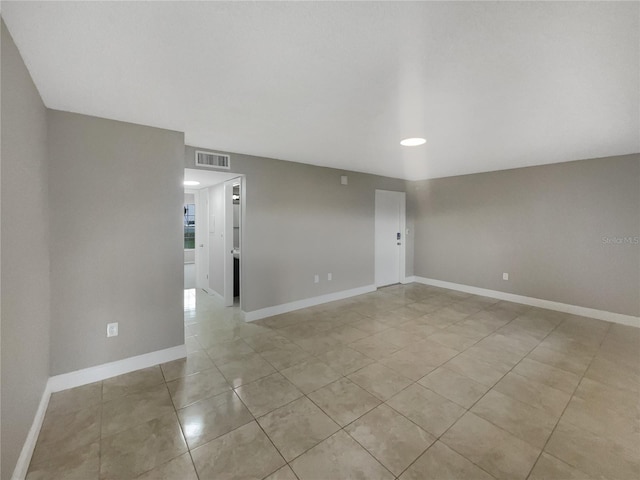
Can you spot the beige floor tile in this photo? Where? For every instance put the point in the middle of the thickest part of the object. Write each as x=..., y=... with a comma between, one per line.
x=192, y=344
x=623, y=402
x=442, y=463
x=398, y=337
x=370, y=326
x=453, y=340
x=296, y=427
x=491, y=353
x=133, y=382
x=613, y=374
x=592, y=454
x=603, y=421
x=432, y=353
x=241, y=454
x=339, y=457
x=391, y=438
x=524, y=421
x=246, y=369
x=195, y=362
x=212, y=417
x=418, y=328
x=177, y=468
x=429, y=410
x=131, y=452
x=267, y=394
x=566, y=345
x=468, y=306
x=74, y=399
x=344, y=401
x=267, y=341
x=210, y=338
x=436, y=320
x=450, y=313
x=319, y=342
x=379, y=380
x=375, y=346
x=249, y=329
x=130, y=410
x=345, y=360
x=229, y=351
x=516, y=343
x=498, y=452
x=459, y=388
x=549, y=468
x=476, y=369
x=488, y=321
x=542, y=373
x=408, y=364
x=285, y=357
x=187, y=390
x=285, y=473
x=310, y=375
x=347, y=334
x=539, y=395
x=80, y=464
x=576, y=363
x=424, y=307
x=62, y=434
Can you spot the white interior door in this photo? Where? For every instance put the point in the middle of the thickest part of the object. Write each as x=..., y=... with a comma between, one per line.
x=202, y=239
x=389, y=237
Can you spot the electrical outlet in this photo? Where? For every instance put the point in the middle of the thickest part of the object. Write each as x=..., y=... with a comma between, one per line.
x=505, y=276
x=316, y=278
x=329, y=276
x=112, y=329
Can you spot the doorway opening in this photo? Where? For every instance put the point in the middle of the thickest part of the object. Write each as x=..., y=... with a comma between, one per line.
x=214, y=226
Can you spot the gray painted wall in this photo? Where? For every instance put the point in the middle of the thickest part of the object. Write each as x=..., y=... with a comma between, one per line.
x=25, y=253
x=543, y=225
x=299, y=220
x=116, y=199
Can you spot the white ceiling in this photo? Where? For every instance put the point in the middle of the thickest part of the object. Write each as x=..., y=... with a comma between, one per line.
x=491, y=85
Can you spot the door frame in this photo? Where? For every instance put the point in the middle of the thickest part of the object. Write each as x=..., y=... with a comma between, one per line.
x=402, y=196
x=228, y=237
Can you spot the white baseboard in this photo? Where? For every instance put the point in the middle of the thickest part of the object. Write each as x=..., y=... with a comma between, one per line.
x=410, y=279
x=112, y=369
x=307, y=302
x=536, y=302
x=84, y=377
x=22, y=466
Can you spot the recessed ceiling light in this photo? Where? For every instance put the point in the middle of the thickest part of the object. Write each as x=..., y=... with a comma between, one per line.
x=413, y=142
x=190, y=183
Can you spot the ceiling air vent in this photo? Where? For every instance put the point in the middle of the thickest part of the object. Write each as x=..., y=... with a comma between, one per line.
x=212, y=160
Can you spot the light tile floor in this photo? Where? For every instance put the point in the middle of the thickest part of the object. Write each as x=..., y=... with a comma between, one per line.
x=409, y=382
